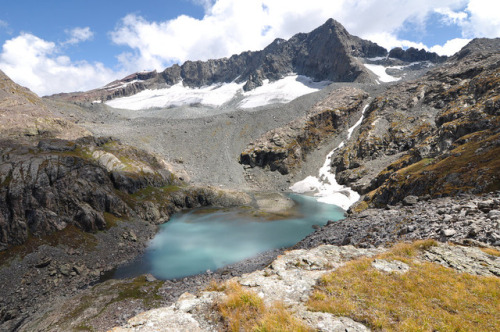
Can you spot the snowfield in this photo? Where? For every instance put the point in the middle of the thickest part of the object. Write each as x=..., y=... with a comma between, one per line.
x=178, y=95
x=281, y=91
x=380, y=71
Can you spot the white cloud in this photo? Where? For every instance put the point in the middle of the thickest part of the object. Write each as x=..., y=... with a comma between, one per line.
x=484, y=19
x=78, y=35
x=37, y=64
x=450, y=47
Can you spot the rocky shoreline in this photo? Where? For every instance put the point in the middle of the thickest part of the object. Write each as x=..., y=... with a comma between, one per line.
x=465, y=219
x=461, y=219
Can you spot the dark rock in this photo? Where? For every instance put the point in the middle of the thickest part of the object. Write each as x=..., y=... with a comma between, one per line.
x=43, y=262
x=410, y=200
x=413, y=55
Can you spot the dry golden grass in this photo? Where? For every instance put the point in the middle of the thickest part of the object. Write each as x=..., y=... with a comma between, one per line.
x=244, y=310
x=491, y=251
x=429, y=297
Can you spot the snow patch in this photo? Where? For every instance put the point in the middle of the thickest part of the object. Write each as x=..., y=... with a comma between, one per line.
x=178, y=95
x=377, y=58
x=281, y=91
x=325, y=186
x=119, y=85
x=380, y=71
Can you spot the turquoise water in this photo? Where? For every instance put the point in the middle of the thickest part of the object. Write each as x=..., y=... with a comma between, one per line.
x=193, y=242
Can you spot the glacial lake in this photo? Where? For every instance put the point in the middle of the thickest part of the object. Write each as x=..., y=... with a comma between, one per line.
x=198, y=240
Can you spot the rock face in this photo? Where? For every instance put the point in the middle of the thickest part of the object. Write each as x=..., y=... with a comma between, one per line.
x=60, y=183
x=437, y=135
x=327, y=53
x=414, y=55
x=284, y=149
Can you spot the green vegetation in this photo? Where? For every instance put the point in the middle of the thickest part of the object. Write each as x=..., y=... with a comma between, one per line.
x=109, y=293
x=111, y=220
x=429, y=297
x=71, y=236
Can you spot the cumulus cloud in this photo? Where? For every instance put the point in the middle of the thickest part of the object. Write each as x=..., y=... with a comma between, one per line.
x=38, y=64
x=450, y=47
x=78, y=35
x=483, y=19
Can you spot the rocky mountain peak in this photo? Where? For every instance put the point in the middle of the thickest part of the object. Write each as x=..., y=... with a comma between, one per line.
x=327, y=53
x=478, y=46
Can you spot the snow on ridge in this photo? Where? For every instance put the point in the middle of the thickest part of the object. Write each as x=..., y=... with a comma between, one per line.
x=380, y=71
x=325, y=186
x=178, y=95
x=280, y=91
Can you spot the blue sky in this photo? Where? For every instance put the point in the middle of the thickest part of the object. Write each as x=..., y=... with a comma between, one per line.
x=61, y=46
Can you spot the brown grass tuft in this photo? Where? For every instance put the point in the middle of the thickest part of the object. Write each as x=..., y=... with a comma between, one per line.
x=491, y=251
x=429, y=297
x=244, y=310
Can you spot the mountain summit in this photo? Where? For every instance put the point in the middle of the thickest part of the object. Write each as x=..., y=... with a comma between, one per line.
x=326, y=53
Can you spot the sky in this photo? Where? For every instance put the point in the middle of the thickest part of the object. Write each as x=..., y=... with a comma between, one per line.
x=55, y=46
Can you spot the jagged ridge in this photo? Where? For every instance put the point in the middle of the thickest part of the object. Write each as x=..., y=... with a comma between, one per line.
x=327, y=53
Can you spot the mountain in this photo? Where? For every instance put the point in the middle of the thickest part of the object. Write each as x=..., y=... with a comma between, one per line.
x=25, y=115
x=434, y=136
x=84, y=186
x=326, y=53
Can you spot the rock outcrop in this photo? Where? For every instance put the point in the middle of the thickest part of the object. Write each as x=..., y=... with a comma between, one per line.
x=414, y=55
x=437, y=135
x=326, y=53
x=284, y=149
x=291, y=279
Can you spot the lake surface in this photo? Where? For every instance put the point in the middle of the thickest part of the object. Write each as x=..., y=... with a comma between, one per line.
x=199, y=240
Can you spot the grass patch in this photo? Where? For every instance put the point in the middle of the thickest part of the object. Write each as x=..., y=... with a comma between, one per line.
x=156, y=194
x=429, y=297
x=111, y=220
x=71, y=236
x=106, y=295
x=244, y=310
x=491, y=251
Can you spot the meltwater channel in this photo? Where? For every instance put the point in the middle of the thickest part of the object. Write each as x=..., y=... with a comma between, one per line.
x=193, y=242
